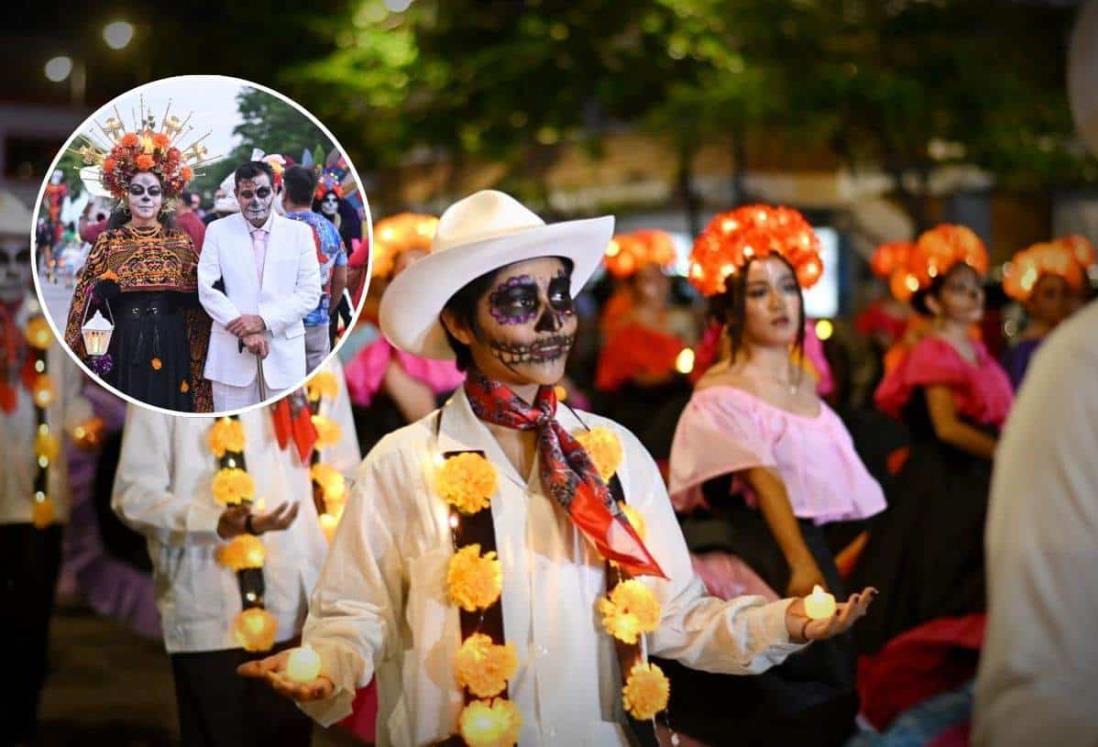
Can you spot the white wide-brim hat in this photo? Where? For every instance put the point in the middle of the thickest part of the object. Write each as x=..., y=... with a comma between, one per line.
x=475, y=236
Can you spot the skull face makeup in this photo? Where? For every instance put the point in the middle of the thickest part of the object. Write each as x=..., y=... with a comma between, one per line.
x=145, y=197
x=525, y=324
x=256, y=196
x=330, y=204
x=15, y=269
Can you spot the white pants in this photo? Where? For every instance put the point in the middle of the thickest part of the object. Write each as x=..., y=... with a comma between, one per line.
x=228, y=397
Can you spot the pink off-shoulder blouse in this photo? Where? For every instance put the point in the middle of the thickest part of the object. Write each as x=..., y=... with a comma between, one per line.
x=981, y=390
x=365, y=372
x=725, y=430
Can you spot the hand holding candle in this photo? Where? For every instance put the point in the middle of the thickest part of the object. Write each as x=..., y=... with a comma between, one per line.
x=819, y=605
x=303, y=664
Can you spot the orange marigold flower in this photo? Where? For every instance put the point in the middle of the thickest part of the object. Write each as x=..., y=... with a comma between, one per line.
x=646, y=691
x=129, y=139
x=144, y=162
x=161, y=141
x=186, y=173
x=254, y=629
x=108, y=166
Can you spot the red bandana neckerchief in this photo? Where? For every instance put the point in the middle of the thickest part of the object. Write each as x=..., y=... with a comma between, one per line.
x=294, y=418
x=566, y=471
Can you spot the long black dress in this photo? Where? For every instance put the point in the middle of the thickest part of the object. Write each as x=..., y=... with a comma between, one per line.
x=158, y=347
x=926, y=551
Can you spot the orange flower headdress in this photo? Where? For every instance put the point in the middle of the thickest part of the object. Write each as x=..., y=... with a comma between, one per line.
x=735, y=237
x=892, y=261
x=1068, y=257
x=942, y=247
x=630, y=252
x=400, y=233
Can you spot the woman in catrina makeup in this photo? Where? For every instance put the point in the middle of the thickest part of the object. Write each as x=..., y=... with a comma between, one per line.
x=759, y=464
x=142, y=271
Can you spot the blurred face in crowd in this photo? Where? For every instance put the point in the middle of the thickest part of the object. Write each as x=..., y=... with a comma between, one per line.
x=960, y=298
x=772, y=304
x=1050, y=301
x=651, y=286
x=15, y=268
x=256, y=197
x=145, y=197
x=525, y=323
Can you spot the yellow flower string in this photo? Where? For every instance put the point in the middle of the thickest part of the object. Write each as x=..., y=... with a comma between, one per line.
x=254, y=629
x=38, y=333
x=243, y=551
x=42, y=513
x=328, y=431
x=495, y=723
x=485, y=667
x=646, y=691
x=474, y=581
x=635, y=519
x=323, y=384
x=604, y=449
x=232, y=486
x=467, y=482
x=226, y=435
x=631, y=610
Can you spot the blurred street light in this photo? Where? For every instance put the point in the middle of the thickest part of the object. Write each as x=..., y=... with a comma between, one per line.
x=59, y=68
x=118, y=34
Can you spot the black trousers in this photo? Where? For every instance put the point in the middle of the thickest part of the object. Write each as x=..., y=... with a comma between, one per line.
x=219, y=707
x=30, y=559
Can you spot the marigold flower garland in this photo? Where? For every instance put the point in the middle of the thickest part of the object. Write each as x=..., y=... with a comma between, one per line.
x=329, y=485
x=467, y=482
x=254, y=628
x=43, y=393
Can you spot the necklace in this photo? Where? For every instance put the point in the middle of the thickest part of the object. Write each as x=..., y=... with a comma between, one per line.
x=144, y=232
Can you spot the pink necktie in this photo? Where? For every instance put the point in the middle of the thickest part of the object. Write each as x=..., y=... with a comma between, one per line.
x=259, y=251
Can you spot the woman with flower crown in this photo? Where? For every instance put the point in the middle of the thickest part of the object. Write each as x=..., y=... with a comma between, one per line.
x=759, y=464
x=926, y=552
x=1048, y=279
x=141, y=274
x=505, y=564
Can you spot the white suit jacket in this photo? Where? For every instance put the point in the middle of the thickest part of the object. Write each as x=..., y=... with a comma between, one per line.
x=162, y=489
x=290, y=290
x=380, y=608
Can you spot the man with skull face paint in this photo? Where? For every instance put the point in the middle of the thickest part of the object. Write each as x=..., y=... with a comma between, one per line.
x=270, y=280
x=496, y=292
x=30, y=552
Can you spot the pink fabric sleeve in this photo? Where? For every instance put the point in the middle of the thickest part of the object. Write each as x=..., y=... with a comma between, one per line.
x=930, y=362
x=366, y=370
x=441, y=376
x=719, y=433
x=726, y=576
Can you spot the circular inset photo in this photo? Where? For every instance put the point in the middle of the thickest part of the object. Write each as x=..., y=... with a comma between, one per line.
x=201, y=245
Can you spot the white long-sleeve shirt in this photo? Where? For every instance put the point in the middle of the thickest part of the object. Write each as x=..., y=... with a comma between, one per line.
x=381, y=608
x=163, y=490
x=19, y=463
x=1040, y=658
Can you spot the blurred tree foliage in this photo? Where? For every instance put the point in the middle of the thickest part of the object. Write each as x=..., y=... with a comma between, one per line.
x=899, y=85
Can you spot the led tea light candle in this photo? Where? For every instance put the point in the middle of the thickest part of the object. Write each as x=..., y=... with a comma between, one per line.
x=819, y=605
x=303, y=664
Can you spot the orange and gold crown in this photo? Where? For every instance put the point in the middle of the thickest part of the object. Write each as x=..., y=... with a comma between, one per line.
x=148, y=147
x=630, y=252
x=1069, y=257
x=734, y=238
x=892, y=261
x=399, y=233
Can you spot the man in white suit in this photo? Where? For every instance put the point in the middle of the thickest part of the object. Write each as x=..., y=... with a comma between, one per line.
x=270, y=280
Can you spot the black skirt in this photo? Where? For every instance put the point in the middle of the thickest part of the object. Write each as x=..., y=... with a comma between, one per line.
x=150, y=354
x=808, y=699
x=926, y=551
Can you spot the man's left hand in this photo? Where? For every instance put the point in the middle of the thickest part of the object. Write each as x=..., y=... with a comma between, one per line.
x=246, y=324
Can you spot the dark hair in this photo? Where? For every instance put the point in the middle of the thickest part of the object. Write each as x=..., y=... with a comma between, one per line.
x=463, y=307
x=299, y=183
x=185, y=197
x=920, y=297
x=252, y=169
x=730, y=309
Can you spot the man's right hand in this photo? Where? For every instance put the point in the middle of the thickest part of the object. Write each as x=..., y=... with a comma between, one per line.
x=257, y=344
x=273, y=669
x=234, y=520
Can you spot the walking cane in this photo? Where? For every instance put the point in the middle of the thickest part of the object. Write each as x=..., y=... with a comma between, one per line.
x=260, y=379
